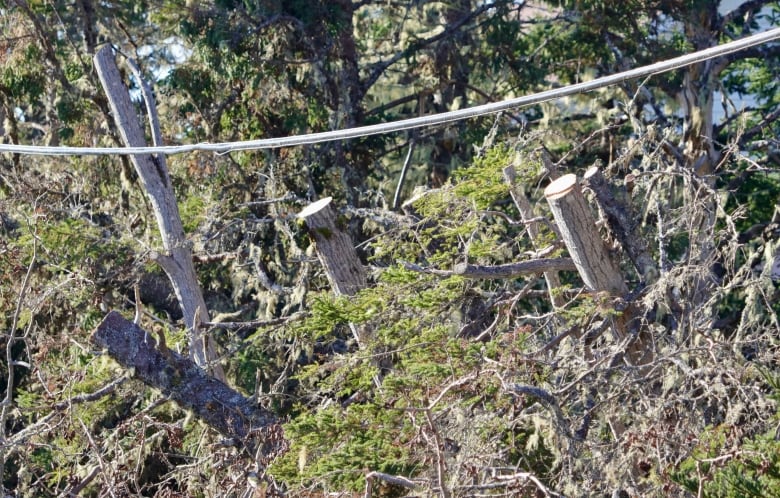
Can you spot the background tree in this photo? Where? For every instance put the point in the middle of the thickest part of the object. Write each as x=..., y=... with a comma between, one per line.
x=486, y=387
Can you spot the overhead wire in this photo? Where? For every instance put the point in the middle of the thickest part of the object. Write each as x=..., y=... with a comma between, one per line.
x=418, y=122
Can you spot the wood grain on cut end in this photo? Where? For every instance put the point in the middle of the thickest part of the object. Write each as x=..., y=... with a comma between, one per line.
x=561, y=187
x=314, y=207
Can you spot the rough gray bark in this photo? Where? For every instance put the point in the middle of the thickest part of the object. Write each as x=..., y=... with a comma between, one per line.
x=622, y=225
x=177, y=377
x=153, y=174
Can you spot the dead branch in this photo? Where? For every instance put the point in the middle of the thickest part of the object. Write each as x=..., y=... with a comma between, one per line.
x=256, y=323
x=526, y=214
x=153, y=173
x=509, y=270
x=390, y=479
x=544, y=397
x=93, y=396
x=513, y=270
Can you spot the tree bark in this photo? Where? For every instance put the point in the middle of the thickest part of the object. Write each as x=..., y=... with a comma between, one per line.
x=581, y=237
x=697, y=93
x=177, y=377
x=153, y=174
x=337, y=254
x=622, y=225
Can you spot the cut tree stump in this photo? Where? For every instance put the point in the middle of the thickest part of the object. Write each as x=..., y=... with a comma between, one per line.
x=153, y=174
x=334, y=248
x=582, y=238
x=583, y=241
x=337, y=254
x=236, y=417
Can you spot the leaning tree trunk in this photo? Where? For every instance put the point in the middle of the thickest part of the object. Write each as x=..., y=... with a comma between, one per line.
x=241, y=420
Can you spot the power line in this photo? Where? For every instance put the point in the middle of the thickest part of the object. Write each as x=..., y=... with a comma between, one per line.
x=419, y=122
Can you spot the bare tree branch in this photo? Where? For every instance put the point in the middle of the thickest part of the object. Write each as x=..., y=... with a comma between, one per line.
x=510, y=270
x=156, y=181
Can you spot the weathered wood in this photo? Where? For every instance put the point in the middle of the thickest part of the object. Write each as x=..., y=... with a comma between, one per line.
x=578, y=230
x=153, y=174
x=582, y=239
x=513, y=270
x=334, y=247
x=618, y=218
x=177, y=377
x=526, y=214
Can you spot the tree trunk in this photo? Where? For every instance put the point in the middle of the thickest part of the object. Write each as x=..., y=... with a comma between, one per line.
x=337, y=254
x=697, y=97
x=153, y=174
x=177, y=377
x=698, y=91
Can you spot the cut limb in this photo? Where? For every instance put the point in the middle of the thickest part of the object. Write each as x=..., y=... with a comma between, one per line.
x=153, y=175
x=177, y=377
x=582, y=239
x=578, y=230
x=336, y=252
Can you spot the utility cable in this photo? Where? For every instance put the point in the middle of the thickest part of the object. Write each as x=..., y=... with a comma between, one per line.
x=418, y=122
